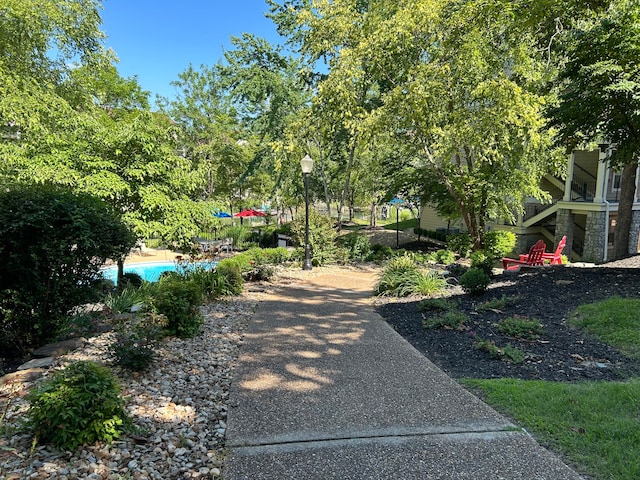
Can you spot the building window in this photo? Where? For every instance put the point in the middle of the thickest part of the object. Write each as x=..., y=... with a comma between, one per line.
x=617, y=177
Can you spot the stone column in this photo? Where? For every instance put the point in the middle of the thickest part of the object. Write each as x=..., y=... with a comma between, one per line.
x=594, y=241
x=634, y=233
x=564, y=226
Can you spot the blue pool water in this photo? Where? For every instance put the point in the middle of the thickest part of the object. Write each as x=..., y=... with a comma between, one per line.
x=150, y=271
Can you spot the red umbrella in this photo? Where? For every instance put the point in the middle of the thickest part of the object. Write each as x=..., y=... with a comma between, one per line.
x=250, y=213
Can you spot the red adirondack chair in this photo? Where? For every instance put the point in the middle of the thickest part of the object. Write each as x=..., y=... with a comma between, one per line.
x=534, y=258
x=555, y=258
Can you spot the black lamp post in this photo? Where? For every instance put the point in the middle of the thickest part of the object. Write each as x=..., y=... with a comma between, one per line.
x=307, y=166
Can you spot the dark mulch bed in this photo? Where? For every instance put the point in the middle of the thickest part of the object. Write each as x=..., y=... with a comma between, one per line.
x=549, y=294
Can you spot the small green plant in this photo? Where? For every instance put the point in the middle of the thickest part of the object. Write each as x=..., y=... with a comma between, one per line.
x=136, y=340
x=521, y=327
x=79, y=405
x=475, y=281
x=445, y=257
x=497, y=303
x=439, y=304
x=508, y=353
x=449, y=320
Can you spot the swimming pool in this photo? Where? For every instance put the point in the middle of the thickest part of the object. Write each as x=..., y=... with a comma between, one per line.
x=150, y=271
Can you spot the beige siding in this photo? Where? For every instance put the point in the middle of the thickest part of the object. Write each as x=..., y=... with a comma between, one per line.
x=429, y=220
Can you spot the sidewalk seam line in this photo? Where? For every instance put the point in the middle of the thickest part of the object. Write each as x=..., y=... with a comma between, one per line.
x=505, y=429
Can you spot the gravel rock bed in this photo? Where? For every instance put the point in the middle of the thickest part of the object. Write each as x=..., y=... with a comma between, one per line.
x=179, y=406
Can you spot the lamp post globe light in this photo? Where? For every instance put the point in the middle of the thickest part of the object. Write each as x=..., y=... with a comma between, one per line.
x=307, y=166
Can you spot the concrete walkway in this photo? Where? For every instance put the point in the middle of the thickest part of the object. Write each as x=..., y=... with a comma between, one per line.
x=325, y=389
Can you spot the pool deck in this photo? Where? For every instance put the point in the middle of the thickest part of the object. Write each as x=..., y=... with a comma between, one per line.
x=152, y=255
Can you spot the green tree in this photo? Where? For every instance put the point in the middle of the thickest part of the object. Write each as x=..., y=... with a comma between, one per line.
x=212, y=137
x=599, y=98
x=41, y=43
x=464, y=105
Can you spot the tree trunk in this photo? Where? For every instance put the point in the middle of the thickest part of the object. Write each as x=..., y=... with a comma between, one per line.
x=347, y=181
x=373, y=220
x=120, y=270
x=625, y=211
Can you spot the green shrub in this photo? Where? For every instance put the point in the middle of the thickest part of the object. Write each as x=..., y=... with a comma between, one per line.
x=357, y=245
x=232, y=281
x=499, y=243
x=276, y=256
x=480, y=259
x=322, y=237
x=475, y=281
x=136, y=340
x=445, y=257
x=460, y=243
x=255, y=255
x=52, y=242
x=405, y=215
x=179, y=301
x=457, y=269
x=259, y=274
x=380, y=253
x=78, y=405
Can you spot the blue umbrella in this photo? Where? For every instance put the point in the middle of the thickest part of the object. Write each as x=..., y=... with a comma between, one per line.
x=220, y=214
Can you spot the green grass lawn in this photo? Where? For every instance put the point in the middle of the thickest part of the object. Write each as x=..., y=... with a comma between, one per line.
x=390, y=224
x=595, y=425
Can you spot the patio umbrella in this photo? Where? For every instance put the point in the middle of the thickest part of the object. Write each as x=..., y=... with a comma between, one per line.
x=220, y=214
x=249, y=213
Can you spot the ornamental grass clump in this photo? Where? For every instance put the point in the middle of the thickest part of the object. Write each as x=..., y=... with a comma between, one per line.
x=123, y=300
x=81, y=404
x=402, y=278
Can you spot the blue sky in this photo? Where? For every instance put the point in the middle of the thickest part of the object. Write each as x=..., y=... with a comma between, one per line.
x=158, y=39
